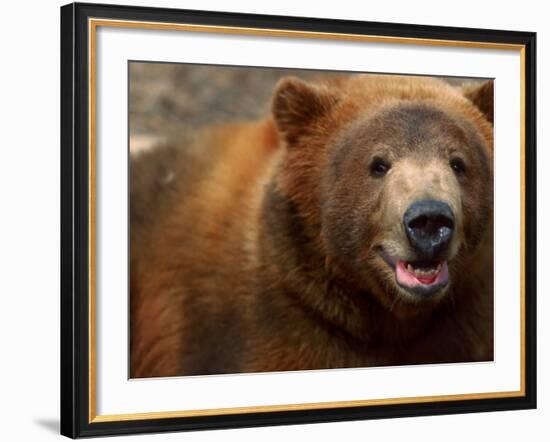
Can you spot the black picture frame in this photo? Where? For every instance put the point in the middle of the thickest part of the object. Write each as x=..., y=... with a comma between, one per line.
x=75, y=219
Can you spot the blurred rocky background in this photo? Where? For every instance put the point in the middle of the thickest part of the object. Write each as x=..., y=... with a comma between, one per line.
x=169, y=97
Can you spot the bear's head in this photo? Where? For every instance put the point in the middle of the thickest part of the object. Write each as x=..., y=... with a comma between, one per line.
x=394, y=174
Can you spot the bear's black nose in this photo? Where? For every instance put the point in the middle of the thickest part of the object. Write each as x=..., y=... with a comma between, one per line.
x=429, y=225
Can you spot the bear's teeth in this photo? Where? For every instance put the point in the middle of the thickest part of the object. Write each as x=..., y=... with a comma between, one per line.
x=424, y=272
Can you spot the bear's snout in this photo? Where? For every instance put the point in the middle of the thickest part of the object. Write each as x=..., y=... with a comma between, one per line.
x=429, y=225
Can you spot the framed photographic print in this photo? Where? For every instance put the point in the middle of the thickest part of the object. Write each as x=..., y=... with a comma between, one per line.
x=278, y=220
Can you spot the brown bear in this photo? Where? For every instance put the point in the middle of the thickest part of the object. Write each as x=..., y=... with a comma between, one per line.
x=352, y=228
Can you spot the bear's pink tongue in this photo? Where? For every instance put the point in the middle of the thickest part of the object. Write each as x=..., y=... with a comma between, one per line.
x=409, y=276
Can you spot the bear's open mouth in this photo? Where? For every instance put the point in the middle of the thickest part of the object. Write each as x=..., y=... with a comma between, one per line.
x=422, y=278
x=414, y=275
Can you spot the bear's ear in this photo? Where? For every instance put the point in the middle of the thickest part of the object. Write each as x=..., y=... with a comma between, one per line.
x=482, y=96
x=296, y=104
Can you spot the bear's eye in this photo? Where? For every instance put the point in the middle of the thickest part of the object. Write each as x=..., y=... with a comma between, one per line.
x=379, y=167
x=458, y=166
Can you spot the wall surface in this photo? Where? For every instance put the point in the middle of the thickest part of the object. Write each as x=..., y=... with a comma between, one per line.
x=29, y=233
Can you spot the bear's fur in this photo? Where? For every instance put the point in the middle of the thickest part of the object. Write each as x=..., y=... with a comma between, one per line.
x=261, y=246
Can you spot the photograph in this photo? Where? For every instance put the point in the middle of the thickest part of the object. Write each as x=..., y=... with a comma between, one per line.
x=292, y=219
x=274, y=220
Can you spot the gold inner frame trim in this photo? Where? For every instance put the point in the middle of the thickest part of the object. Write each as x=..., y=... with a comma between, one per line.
x=93, y=24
